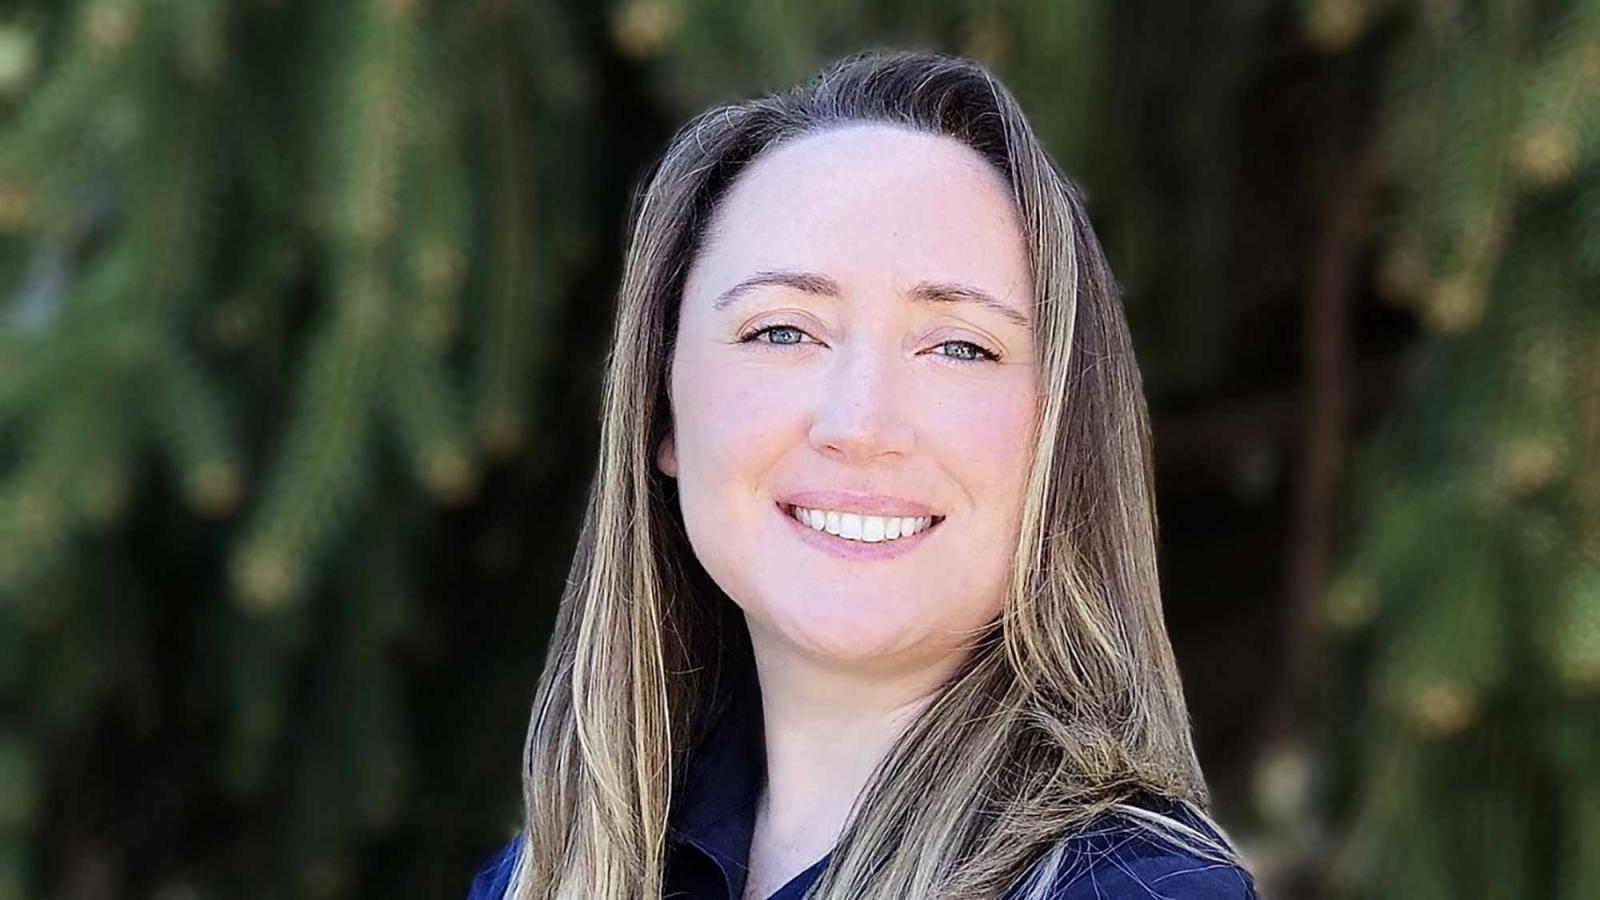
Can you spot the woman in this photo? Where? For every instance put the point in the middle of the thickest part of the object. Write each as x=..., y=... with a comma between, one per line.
x=865, y=601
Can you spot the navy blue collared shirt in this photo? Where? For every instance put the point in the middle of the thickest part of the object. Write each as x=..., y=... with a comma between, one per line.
x=709, y=835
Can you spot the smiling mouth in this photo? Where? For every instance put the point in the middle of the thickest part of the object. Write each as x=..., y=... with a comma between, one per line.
x=861, y=528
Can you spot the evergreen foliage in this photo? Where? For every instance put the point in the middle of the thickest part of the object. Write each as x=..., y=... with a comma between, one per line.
x=285, y=285
x=1468, y=610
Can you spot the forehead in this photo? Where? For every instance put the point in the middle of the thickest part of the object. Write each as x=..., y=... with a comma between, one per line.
x=867, y=203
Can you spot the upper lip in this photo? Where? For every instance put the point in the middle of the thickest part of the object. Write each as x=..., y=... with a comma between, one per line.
x=858, y=502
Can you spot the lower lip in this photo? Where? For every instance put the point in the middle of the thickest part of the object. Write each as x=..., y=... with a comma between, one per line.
x=844, y=548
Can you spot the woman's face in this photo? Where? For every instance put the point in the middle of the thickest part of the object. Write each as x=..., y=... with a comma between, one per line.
x=854, y=340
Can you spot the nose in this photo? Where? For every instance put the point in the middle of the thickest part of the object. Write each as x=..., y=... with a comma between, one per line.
x=859, y=415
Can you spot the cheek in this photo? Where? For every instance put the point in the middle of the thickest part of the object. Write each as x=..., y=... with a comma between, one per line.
x=988, y=447
x=1011, y=455
x=731, y=425
x=988, y=435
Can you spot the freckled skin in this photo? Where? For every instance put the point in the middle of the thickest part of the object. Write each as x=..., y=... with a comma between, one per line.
x=869, y=394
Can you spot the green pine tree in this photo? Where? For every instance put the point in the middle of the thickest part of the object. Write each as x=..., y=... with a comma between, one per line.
x=299, y=308
x=1466, y=617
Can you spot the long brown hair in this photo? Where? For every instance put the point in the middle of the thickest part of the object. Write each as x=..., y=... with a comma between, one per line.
x=1069, y=703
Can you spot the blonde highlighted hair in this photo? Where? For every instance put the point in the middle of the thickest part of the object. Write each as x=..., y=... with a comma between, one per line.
x=1069, y=704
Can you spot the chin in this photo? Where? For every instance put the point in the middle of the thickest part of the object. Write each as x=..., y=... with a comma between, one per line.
x=853, y=639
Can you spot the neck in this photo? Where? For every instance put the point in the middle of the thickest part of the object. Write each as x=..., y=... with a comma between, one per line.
x=826, y=728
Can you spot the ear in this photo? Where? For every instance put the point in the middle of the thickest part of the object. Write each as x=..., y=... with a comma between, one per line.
x=667, y=457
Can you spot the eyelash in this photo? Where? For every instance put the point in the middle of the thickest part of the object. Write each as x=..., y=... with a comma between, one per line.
x=750, y=336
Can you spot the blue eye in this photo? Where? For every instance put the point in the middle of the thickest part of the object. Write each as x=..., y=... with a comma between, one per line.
x=790, y=336
x=778, y=331
x=971, y=352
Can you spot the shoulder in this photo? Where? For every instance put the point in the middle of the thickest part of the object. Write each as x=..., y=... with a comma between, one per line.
x=1115, y=858
x=494, y=876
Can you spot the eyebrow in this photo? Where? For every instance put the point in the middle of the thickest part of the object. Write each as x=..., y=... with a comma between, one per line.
x=823, y=286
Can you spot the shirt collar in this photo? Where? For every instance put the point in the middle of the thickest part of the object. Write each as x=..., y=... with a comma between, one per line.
x=718, y=808
x=715, y=814
x=717, y=811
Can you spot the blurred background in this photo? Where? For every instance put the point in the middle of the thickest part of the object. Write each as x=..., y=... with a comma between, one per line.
x=303, y=308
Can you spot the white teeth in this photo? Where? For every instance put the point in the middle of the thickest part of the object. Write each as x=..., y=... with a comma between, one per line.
x=856, y=527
